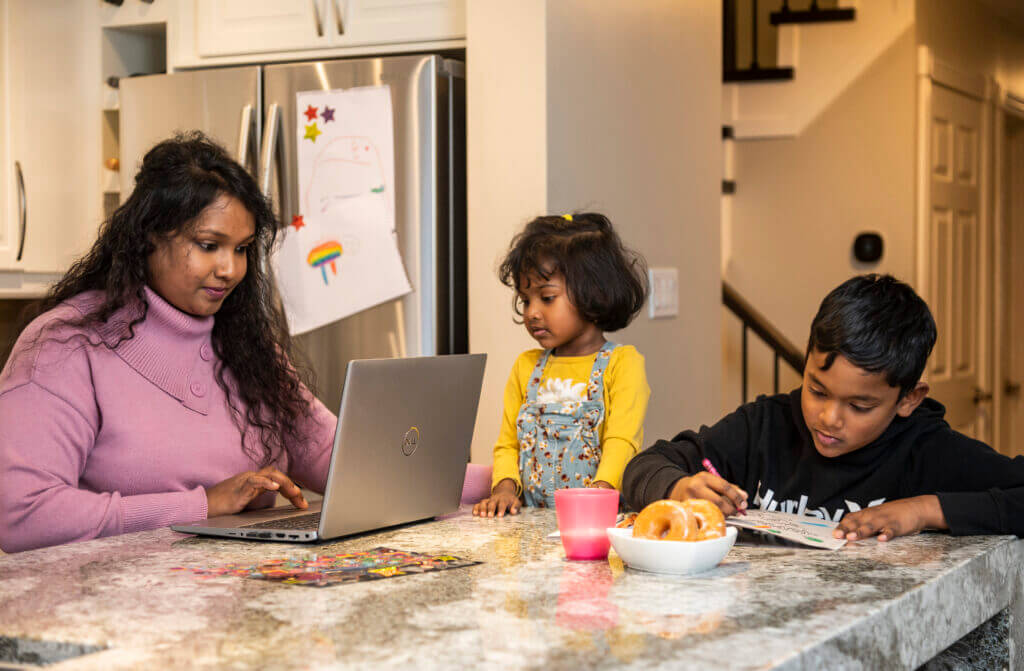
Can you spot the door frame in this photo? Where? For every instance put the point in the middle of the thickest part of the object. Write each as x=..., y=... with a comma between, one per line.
x=932, y=72
x=1008, y=105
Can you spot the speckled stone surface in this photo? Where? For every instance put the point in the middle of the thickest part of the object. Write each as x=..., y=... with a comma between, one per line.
x=867, y=606
x=987, y=647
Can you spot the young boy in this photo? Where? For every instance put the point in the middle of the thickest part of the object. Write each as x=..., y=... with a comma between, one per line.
x=857, y=442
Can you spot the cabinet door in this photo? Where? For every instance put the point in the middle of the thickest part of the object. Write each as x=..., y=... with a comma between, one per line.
x=226, y=27
x=8, y=230
x=384, y=21
x=52, y=69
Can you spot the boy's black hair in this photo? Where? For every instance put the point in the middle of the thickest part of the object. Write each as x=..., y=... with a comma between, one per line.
x=606, y=282
x=879, y=324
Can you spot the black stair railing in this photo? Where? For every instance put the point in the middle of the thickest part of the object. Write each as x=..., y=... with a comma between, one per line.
x=754, y=72
x=753, y=320
x=813, y=14
x=736, y=13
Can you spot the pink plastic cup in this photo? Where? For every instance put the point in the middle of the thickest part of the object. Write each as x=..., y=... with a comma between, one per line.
x=583, y=516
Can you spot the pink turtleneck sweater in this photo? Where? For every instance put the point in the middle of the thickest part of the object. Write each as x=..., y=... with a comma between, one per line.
x=95, y=442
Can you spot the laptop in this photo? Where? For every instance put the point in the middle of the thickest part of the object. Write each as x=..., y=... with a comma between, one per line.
x=400, y=453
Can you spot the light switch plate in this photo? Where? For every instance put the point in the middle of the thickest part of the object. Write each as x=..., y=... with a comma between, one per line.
x=664, y=299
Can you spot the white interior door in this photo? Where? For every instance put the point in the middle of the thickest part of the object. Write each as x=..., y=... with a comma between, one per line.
x=954, y=263
x=1011, y=373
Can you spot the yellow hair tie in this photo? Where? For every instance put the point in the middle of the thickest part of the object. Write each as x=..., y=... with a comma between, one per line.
x=567, y=217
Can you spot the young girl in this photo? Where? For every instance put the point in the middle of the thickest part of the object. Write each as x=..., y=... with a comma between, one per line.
x=574, y=410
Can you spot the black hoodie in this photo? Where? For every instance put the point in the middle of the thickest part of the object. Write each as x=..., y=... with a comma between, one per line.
x=766, y=448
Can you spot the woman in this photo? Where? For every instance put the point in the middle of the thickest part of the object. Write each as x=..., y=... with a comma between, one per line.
x=154, y=387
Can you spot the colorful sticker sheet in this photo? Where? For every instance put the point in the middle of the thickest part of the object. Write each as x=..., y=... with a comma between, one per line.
x=336, y=569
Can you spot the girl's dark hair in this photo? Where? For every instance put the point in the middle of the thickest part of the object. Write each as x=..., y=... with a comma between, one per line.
x=178, y=179
x=607, y=283
x=880, y=325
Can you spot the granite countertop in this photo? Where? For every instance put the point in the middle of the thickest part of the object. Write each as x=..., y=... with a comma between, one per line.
x=869, y=605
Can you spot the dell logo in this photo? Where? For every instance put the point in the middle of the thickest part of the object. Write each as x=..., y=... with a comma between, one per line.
x=410, y=441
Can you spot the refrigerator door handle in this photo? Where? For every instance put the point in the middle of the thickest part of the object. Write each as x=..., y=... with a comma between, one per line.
x=244, y=133
x=22, y=208
x=269, y=147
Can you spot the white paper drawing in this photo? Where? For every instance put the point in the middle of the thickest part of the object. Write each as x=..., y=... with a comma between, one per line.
x=340, y=255
x=811, y=531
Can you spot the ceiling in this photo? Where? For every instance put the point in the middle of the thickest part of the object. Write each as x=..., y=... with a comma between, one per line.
x=1010, y=10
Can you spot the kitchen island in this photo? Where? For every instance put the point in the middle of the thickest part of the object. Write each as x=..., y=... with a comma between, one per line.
x=132, y=602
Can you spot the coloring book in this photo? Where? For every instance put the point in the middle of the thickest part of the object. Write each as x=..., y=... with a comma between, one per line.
x=804, y=529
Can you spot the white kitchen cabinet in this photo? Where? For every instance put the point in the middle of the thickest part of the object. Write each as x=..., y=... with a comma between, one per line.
x=50, y=63
x=238, y=27
x=8, y=230
x=387, y=21
x=230, y=27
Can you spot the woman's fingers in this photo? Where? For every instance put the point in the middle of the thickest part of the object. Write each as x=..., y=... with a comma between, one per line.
x=284, y=486
x=256, y=484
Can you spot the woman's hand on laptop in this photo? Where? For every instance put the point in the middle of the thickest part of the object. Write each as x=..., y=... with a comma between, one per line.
x=238, y=491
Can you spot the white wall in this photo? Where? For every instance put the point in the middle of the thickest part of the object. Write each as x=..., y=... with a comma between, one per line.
x=610, y=106
x=800, y=203
x=506, y=177
x=825, y=58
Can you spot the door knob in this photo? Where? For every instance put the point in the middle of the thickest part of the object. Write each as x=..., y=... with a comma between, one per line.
x=980, y=395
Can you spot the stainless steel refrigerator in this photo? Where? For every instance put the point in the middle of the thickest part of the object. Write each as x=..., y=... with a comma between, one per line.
x=247, y=109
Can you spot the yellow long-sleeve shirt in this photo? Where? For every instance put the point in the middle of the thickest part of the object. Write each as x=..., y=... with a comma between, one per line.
x=625, y=398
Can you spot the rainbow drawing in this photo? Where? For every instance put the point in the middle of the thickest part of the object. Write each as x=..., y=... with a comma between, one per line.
x=324, y=254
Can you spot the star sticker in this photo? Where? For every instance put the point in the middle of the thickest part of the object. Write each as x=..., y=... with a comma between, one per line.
x=327, y=114
x=311, y=132
x=310, y=113
x=297, y=221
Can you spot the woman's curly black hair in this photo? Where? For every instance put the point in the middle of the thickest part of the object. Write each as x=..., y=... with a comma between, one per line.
x=178, y=179
x=607, y=283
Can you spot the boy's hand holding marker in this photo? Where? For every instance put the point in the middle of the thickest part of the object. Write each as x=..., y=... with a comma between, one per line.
x=727, y=496
x=901, y=517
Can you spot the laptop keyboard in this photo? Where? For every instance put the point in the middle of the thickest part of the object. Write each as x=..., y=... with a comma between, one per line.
x=311, y=521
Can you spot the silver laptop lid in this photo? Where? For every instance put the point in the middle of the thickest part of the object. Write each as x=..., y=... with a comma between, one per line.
x=402, y=442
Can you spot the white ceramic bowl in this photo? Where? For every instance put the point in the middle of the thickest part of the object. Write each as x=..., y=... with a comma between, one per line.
x=680, y=557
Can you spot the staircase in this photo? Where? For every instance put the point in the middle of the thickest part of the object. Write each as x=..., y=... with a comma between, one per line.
x=782, y=350
x=783, y=64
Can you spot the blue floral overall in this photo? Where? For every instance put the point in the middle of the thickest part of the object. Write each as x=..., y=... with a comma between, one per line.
x=558, y=442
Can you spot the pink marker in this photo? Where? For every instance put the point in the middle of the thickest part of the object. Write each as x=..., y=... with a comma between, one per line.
x=710, y=468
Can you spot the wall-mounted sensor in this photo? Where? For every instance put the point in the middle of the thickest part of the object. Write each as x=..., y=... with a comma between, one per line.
x=868, y=247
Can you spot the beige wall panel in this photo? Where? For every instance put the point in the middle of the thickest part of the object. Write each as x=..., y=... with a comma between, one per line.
x=506, y=178
x=634, y=132
x=609, y=106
